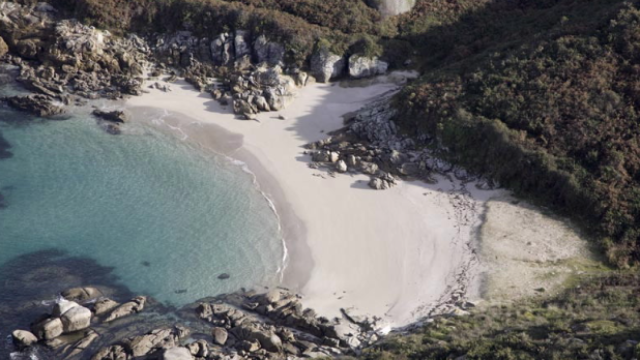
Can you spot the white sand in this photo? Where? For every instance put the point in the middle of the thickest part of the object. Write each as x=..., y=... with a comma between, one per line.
x=393, y=254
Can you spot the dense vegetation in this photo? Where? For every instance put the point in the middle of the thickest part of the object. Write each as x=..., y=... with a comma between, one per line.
x=544, y=97
x=595, y=320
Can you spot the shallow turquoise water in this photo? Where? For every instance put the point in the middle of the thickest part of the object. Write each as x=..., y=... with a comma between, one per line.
x=168, y=216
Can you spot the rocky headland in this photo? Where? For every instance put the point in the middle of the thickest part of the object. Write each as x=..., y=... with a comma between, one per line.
x=85, y=324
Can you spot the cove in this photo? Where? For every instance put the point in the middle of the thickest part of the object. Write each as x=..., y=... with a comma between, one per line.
x=167, y=216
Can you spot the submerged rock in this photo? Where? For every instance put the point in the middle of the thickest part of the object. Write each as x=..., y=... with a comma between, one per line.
x=117, y=116
x=81, y=293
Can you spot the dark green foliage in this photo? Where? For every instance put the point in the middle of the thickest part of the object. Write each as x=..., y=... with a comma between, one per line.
x=600, y=316
x=543, y=97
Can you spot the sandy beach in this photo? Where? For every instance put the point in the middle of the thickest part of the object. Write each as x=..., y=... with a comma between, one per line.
x=396, y=254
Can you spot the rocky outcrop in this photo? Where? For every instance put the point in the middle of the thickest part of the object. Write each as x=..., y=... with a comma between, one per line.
x=177, y=353
x=103, y=306
x=129, y=308
x=243, y=325
x=117, y=116
x=360, y=66
x=4, y=48
x=371, y=144
x=23, y=339
x=75, y=349
x=75, y=319
x=326, y=66
x=268, y=52
x=39, y=105
x=81, y=293
x=47, y=329
x=220, y=335
x=64, y=56
x=156, y=340
x=264, y=89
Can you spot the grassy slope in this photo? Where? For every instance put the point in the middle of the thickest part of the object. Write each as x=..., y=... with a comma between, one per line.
x=597, y=317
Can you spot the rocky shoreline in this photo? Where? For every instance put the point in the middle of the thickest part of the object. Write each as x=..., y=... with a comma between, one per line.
x=85, y=324
x=64, y=62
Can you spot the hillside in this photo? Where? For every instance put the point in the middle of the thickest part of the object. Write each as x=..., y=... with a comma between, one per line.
x=544, y=101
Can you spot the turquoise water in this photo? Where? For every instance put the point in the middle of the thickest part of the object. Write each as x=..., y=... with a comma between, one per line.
x=167, y=216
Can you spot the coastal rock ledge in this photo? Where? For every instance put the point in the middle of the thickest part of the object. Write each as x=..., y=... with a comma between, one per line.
x=84, y=324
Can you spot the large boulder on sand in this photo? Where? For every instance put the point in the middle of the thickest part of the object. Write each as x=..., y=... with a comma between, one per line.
x=75, y=319
x=23, y=339
x=326, y=65
x=360, y=66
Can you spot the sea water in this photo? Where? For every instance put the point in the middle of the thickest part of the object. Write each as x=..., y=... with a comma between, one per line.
x=168, y=216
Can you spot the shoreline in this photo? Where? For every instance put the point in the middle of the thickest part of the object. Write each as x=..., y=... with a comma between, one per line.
x=351, y=253
x=224, y=143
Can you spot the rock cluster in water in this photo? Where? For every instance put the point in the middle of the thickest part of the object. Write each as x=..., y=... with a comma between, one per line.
x=83, y=324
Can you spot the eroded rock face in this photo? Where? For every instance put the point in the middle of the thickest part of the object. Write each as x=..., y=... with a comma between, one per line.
x=326, y=66
x=360, y=66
